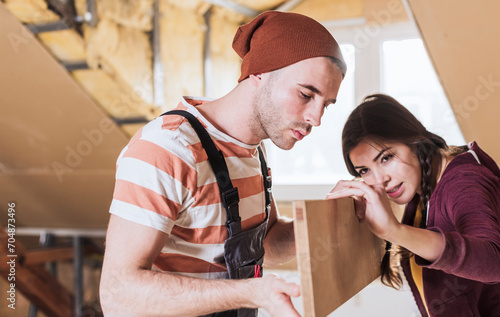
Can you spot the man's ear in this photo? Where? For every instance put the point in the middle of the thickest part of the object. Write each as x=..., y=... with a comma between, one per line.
x=255, y=79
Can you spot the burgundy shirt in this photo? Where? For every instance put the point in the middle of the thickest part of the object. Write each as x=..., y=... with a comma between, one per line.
x=465, y=209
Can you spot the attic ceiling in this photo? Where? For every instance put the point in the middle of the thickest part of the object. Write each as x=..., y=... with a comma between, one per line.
x=135, y=58
x=112, y=65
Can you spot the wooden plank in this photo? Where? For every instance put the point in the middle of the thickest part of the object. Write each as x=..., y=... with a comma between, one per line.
x=473, y=87
x=53, y=254
x=337, y=255
x=35, y=282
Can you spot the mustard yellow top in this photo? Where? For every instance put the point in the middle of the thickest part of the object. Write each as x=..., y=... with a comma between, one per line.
x=416, y=271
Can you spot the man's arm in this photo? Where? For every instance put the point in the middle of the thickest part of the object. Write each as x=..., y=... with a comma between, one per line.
x=130, y=288
x=279, y=242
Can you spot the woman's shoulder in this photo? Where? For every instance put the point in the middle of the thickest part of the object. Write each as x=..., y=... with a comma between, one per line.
x=470, y=174
x=474, y=161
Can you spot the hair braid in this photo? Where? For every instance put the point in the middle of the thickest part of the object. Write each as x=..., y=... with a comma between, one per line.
x=425, y=151
x=429, y=157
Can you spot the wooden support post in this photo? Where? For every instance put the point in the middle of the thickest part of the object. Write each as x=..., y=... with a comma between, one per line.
x=337, y=256
x=34, y=282
x=78, y=275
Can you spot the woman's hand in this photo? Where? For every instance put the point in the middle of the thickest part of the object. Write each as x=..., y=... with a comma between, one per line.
x=372, y=206
x=378, y=214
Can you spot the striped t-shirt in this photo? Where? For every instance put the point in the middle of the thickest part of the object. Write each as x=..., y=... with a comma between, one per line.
x=165, y=181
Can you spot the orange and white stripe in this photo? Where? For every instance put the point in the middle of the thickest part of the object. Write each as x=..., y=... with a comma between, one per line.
x=164, y=181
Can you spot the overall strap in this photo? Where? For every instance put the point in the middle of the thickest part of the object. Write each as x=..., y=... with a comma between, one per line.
x=229, y=194
x=267, y=182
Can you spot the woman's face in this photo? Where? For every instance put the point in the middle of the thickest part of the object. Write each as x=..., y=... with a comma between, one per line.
x=392, y=165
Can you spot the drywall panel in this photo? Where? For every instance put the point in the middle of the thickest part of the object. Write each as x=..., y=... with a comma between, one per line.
x=58, y=148
x=462, y=40
x=337, y=256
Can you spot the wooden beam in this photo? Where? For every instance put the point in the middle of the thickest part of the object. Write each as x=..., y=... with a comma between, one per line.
x=53, y=254
x=66, y=9
x=337, y=256
x=35, y=282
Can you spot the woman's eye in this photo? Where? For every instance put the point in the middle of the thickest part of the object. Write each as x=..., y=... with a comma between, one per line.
x=386, y=158
x=363, y=171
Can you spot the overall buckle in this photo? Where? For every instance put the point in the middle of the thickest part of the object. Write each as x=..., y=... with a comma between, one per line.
x=230, y=200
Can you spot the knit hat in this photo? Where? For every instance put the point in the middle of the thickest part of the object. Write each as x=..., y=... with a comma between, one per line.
x=274, y=40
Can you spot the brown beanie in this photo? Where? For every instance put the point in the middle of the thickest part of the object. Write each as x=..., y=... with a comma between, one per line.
x=274, y=40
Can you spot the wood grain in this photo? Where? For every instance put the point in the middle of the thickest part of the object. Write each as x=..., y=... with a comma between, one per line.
x=337, y=255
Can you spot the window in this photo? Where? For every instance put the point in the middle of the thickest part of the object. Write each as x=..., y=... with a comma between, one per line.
x=393, y=61
x=409, y=77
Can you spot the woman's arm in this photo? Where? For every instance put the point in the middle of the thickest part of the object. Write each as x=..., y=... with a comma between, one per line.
x=471, y=205
x=470, y=248
x=383, y=223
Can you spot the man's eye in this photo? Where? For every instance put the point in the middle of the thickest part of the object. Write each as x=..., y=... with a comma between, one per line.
x=303, y=95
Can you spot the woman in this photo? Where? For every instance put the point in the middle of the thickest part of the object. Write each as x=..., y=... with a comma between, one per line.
x=450, y=231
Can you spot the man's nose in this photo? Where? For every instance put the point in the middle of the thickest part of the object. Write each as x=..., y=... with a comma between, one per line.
x=313, y=114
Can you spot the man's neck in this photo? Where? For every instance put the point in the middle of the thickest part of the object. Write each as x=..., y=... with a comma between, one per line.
x=233, y=115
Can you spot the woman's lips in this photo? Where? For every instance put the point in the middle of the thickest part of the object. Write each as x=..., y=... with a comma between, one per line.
x=395, y=191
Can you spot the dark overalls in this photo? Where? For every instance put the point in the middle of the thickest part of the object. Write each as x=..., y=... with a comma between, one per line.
x=243, y=250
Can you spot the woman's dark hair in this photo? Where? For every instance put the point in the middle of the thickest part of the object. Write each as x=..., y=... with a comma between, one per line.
x=380, y=118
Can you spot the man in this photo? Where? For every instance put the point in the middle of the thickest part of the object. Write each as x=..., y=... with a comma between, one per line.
x=174, y=245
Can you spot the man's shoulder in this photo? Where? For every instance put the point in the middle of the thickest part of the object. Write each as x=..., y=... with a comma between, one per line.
x=162, y=140
x=165, y=129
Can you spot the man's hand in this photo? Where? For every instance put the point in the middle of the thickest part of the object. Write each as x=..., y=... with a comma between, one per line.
x=274, y=295
x=130, y=288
